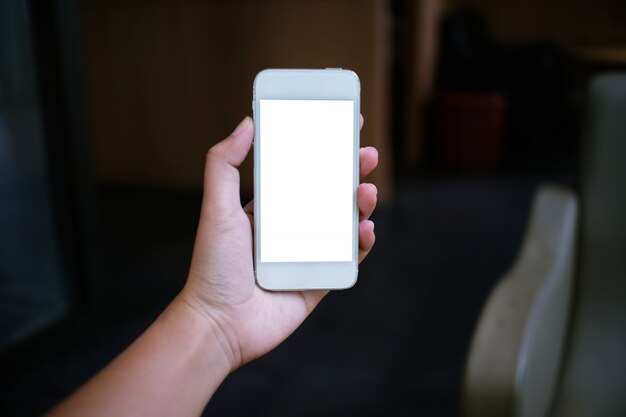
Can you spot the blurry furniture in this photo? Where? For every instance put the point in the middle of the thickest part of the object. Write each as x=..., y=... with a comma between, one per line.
x=169, y=79
x=531, y=355
x=530, y=75
x=564, y=24
x=513, y=362
x=469, y=130
x=585, y=61
x=418, y=57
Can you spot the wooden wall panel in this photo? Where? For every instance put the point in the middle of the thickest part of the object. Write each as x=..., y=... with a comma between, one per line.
x=168, y=79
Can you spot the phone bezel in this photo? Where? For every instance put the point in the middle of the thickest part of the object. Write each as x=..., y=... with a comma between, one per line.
x=306, y=84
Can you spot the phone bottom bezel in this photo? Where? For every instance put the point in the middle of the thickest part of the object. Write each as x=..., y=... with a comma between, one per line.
x=294, y=276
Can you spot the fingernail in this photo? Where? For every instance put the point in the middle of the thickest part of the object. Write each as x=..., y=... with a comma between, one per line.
x=243, y=125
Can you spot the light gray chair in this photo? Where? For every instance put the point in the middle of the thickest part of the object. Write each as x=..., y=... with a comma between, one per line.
x=551, y=340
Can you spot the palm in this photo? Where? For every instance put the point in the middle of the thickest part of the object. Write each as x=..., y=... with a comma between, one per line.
x=259, y=319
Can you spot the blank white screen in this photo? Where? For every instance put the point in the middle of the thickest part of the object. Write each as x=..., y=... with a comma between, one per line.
x=306, y=180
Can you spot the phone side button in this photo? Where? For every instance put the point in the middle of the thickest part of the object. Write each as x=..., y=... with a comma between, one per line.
x=254, y=120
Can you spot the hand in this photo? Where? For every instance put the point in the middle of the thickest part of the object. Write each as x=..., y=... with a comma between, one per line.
x=248, y=320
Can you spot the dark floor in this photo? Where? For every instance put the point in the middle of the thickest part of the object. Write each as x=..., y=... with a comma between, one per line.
x=393, y=345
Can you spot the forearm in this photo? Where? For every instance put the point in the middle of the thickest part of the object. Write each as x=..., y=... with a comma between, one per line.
x=172, y=369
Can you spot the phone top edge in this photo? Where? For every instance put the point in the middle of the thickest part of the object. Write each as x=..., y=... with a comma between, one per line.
x=268, y=72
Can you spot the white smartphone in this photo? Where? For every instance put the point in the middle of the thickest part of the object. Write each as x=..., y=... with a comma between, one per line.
x=306, y=172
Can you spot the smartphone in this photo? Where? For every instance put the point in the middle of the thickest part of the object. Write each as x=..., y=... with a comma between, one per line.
x=306, y=172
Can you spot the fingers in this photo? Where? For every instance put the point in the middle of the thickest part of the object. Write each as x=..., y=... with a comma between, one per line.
x=366, y=201
x=249, y=208
x=368, y=158
x=234, y=148
x=366, y=198
x=366, y=238
x=221, y=177
x=361, y=121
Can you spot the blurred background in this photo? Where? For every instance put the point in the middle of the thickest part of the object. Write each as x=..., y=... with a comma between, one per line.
x=107, y=108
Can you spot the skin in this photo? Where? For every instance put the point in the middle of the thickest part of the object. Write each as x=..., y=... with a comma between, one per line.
x=221, y=319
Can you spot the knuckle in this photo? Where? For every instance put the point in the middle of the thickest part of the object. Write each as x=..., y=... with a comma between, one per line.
x=213, y=152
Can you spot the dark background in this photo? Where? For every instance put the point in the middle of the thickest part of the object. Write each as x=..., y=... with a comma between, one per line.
x=108, y=107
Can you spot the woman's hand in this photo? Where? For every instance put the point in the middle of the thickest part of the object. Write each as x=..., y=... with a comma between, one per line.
x=221, y=288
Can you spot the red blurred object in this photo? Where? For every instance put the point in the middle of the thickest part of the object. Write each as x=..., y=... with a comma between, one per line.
x=469, y=130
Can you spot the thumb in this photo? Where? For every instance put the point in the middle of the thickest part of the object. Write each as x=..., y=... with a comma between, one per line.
x=221, y=176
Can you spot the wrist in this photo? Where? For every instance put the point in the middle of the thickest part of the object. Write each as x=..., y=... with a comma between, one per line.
x=211, y=322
